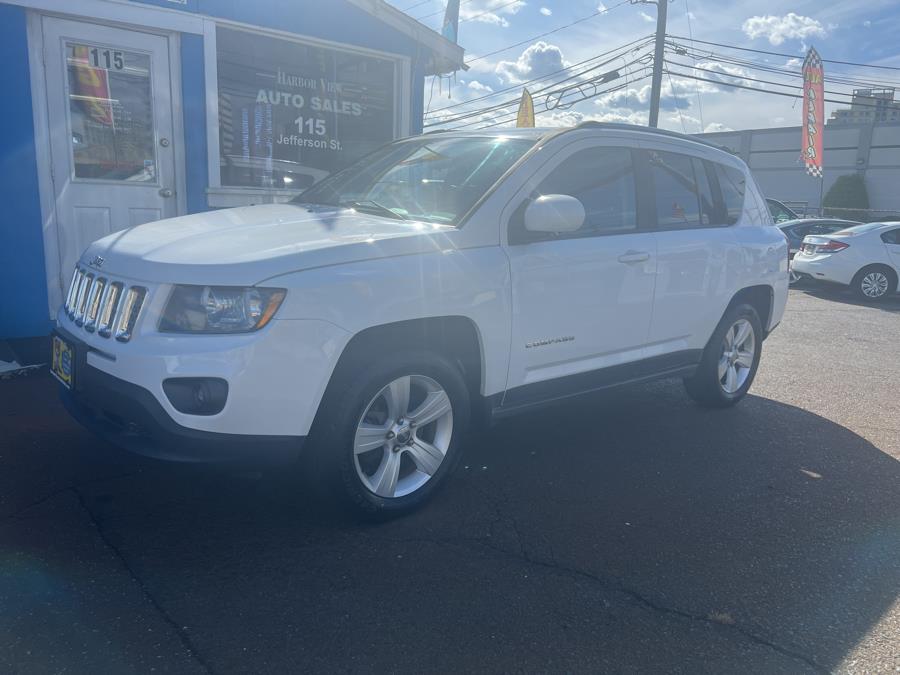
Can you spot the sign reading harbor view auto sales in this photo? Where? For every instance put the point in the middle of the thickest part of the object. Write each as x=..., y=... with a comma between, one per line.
x=290, y=113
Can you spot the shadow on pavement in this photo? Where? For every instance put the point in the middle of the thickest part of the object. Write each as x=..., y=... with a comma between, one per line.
x=844, y=295
x=629, y=531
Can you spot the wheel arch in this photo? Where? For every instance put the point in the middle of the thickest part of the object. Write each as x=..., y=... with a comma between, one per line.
x=892, y=273
x=761, y=298
x=456, y=337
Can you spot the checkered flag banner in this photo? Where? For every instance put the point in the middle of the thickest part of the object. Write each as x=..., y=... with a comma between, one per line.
x=813, y=113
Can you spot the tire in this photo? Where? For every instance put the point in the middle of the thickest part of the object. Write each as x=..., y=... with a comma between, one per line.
x=874, y=283
x=362, y=405
x=709, y=386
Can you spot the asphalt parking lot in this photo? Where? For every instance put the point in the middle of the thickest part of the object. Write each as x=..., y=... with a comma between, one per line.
x=626, y=532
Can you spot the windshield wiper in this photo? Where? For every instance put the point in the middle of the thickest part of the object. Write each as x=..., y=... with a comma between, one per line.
x=372, y=205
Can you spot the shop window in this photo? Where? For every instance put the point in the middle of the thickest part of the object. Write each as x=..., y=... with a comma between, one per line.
x=290, y=113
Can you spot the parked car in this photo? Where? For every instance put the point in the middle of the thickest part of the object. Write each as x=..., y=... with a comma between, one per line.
x=796, y=230
x=864, y=257
x=442, y=275
x=780, y=212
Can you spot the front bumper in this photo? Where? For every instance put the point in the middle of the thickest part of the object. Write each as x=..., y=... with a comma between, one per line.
x=130, y=417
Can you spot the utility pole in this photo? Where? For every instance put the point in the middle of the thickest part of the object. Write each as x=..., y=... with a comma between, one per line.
x=662, y=7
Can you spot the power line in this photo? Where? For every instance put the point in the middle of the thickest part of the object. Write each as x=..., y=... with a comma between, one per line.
x=510, y=118
x=465, y=2
x=756, y=65
x=543, y=90
x=747, y=78
x=507, y=113
x=788, y=56
x=519, y=85
x=418, y=4
x=687, y=13
x=549, y=32
x=766, y=91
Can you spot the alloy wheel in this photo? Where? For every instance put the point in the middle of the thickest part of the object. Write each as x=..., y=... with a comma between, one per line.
x=874, y=284
x=736, y=359
x=403, y=436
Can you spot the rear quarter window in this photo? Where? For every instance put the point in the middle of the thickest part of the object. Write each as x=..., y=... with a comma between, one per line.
x=733, y=185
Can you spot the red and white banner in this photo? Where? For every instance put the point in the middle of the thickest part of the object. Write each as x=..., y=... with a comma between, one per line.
x=813, y=112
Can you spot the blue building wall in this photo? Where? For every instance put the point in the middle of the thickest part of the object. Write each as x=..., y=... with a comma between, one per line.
x=23, y=305
x=22, y=260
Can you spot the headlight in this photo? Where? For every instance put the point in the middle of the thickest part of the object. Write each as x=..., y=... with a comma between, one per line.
x=219, y=309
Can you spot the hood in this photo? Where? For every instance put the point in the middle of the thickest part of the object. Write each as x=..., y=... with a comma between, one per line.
x=249, y=244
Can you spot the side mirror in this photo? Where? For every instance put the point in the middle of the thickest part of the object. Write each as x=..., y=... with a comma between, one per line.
x=555, y=214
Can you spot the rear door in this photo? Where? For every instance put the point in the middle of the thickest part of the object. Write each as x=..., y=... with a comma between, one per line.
x=698, y=254
x=891, y=240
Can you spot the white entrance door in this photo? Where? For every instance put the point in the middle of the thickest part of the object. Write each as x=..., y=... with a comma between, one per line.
x=111, y=131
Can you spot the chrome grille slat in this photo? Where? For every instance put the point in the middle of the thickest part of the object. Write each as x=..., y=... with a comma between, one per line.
x=93, y=304
x=81, y=301
x=109, y=306
x=100, y=304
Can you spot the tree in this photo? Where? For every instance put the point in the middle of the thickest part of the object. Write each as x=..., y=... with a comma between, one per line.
x=847, y=192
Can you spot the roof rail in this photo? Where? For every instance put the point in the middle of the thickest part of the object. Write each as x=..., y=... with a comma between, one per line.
x=593, y=124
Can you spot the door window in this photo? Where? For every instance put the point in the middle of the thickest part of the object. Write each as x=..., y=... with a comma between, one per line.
x=675, y=190
x=891, y=237
x=110, y=113
x=602, y=179
x=733, y=185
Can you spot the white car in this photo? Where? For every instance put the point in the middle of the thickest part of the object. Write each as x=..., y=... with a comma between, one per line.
x=864, y=257
x=440, y=276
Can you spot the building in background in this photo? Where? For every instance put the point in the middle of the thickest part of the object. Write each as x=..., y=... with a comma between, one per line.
x=120, y=112
x=868, y=106
x=774, y=157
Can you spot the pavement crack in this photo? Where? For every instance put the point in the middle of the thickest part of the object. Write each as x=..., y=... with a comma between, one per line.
x=56, y=493
x=185, y=639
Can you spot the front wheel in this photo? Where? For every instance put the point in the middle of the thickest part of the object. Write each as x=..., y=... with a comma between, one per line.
x=394, y=434
x=730, y=360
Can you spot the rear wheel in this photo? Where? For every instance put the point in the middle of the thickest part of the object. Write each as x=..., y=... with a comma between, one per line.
x=394, y=433
x=874, y=283
x=730, y=360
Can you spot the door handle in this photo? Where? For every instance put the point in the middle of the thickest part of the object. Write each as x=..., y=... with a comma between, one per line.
x=165, y=192
x=634, y=257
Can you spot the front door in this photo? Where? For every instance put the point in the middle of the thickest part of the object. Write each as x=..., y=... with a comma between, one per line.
x=110, y=129
x=582, y=301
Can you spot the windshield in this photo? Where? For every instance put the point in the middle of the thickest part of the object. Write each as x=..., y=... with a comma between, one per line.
x=432, y=179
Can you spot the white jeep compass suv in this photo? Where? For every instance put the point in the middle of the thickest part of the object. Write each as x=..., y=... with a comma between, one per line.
x=440, y=275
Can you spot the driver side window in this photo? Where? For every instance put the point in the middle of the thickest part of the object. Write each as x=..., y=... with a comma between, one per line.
x=602, y=179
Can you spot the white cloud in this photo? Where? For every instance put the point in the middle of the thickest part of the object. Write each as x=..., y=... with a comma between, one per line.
x=777, y=29
x=602, y=8
x=793, y=63
x=867, y=23
x=475, y=85
x=538, y=59
x=713, y=127
x=488, y=11
x=546, y=11
x=646, y=17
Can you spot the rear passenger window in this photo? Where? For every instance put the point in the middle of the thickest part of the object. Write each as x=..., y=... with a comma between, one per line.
x=704, y=190
x=891, y=237
x=675, y=189
x=733, y=185
x=602, y=179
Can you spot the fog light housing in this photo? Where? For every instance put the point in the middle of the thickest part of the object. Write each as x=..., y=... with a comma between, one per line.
x=196, y=395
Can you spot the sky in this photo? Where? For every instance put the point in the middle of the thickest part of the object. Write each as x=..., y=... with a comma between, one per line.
x=863, y=32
